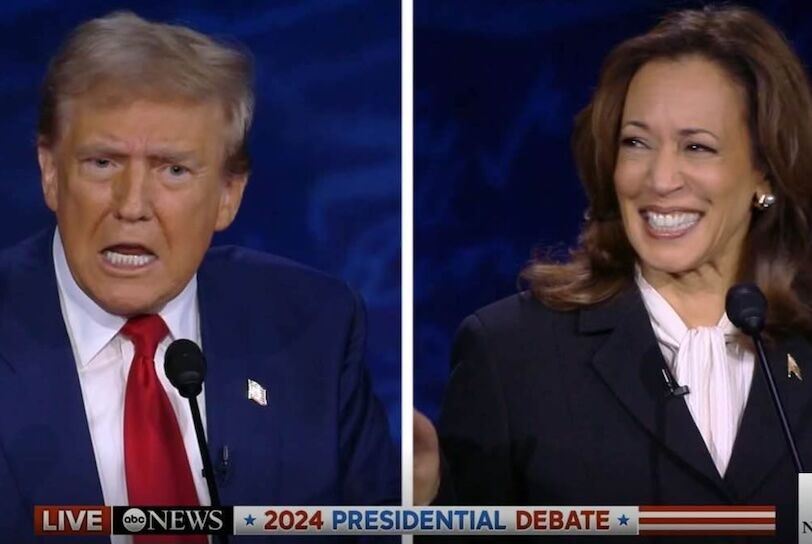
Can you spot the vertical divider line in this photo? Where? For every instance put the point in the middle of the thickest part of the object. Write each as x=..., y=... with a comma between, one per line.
x=407, y=250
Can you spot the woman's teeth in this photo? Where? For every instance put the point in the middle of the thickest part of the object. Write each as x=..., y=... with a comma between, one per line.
x=120, y=259
x=672, y=221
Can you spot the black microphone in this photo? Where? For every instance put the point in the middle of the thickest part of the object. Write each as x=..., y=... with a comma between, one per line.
x=185, y=367
x=746, y=308
x=675, y=390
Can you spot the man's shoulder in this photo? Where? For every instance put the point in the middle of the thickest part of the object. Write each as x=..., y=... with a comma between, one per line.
x=269, y=301
x=267, y=275
x=34, y=251
x=250, y=263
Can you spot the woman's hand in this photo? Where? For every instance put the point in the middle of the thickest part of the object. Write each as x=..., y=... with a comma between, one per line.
x=426, y=475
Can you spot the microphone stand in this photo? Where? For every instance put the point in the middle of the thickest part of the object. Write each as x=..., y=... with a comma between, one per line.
x=779, y=407
x=746, y=306
x=185, y=367
x=208, y=472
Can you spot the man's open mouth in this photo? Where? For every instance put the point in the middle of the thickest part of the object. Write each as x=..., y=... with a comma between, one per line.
x=128, y=255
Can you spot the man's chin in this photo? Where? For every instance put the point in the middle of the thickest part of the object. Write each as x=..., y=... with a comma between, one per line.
x=129, y=305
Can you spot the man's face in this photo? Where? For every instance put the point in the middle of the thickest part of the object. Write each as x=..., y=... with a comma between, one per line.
x=138, y=188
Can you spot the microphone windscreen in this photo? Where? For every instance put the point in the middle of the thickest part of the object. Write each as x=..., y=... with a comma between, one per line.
x=185, y=367
x=746, y=307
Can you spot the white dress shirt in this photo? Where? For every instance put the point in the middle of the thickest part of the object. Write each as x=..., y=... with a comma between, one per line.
x=103, y=358
x=717, y=369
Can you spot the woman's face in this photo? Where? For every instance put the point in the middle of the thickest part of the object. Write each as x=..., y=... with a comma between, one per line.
x=685, y=175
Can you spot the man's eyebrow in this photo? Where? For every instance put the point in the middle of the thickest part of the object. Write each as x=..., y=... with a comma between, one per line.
x=157, y=154
x=100, y=148
x=171, y=155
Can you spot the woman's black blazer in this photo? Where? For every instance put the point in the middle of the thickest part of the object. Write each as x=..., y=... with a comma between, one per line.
x=552, y=407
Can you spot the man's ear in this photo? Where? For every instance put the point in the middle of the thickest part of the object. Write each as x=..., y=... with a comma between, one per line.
x=48, y=174
x=230, y=199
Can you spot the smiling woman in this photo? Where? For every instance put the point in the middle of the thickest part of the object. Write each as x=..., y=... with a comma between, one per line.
x=617, y=378
x=686, y=179
x=719, y=105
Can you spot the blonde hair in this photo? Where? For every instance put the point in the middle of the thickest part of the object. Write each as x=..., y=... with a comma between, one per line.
x=145, y=59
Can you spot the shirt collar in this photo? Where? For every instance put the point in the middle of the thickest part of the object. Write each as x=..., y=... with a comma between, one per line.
x=661, y=311
x=91, y=327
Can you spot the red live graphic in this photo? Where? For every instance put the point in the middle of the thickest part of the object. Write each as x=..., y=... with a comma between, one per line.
x=72, y=520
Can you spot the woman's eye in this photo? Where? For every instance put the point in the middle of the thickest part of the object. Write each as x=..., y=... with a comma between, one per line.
x=699, y=148
x=632, y=142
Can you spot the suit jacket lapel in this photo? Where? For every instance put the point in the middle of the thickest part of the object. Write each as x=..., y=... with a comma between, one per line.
x=235, y=351
x=630, y=362
x=43, y=423
x=760, y=443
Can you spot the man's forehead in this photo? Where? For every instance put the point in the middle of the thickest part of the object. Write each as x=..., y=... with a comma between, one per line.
x=137, y=120
x=121, y=102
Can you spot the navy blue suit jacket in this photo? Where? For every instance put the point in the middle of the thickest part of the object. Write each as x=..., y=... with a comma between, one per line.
x=322, y=438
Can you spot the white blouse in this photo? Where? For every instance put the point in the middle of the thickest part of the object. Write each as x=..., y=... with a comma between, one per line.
x=717, y=369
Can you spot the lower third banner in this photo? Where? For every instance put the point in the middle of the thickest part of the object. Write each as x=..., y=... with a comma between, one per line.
x=349, y=520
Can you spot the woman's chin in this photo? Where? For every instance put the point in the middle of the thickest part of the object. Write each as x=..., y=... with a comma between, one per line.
x=668, y=264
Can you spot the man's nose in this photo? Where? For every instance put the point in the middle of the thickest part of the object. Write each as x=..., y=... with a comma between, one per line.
x=665, y=176
x=131, y=193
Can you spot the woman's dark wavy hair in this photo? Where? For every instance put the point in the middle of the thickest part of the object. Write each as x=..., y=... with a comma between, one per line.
x=777, y=252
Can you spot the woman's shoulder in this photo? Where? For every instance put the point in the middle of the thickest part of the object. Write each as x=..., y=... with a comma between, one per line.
x=520, y=310
x=519, y=338
x=524, y=309
x=516, y=319
x=522, y=315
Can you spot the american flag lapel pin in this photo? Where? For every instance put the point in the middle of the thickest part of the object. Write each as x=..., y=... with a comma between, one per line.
x=257, y=393
x=793, y=368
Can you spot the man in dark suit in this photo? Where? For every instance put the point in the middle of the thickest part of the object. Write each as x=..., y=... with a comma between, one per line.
x=142, y=151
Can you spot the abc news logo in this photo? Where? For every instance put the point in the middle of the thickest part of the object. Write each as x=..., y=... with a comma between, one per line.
x=165, y=520
x=124, y=520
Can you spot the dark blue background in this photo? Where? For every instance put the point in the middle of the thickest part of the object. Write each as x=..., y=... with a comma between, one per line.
x=325, y=188
x=497, y=85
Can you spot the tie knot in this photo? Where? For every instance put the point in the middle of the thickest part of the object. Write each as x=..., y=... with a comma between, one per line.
x=146, y=332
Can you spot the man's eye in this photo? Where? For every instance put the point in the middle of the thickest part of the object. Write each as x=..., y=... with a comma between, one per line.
x=177, y=170
x=101, y=163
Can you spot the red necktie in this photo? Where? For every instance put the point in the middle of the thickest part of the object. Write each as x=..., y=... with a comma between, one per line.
x=155, y=460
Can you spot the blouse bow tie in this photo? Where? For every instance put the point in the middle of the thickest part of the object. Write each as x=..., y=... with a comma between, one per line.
x=712, y=364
